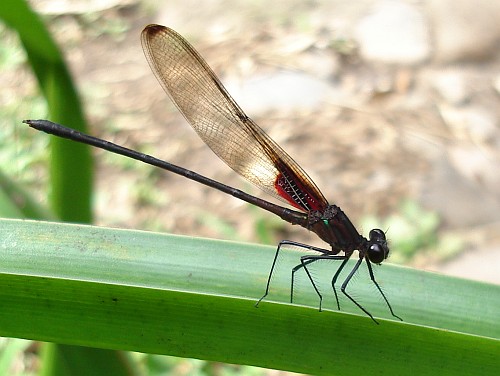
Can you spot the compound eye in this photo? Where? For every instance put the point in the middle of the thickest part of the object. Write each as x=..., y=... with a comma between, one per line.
x=376, y=253
x=377, y=235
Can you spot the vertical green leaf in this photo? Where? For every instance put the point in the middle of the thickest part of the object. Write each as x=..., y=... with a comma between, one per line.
x=71, y=165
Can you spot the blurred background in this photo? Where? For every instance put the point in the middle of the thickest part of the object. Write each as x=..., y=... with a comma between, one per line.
x=392, y=107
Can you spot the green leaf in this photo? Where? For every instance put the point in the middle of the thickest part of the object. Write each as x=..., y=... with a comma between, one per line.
x=155, y=293
x=71, y=166
x=71, y=172
x=83, y=361
x=15, y=202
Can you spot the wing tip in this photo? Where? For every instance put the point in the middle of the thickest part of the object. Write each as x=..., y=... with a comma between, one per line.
x=154, y=29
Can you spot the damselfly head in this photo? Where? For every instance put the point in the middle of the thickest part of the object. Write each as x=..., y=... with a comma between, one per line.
x=378, y=249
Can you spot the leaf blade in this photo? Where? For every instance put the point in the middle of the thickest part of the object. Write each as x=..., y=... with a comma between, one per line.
x=139, y=291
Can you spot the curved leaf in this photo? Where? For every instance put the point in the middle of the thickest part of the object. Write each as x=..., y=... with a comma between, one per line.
x=190, y=297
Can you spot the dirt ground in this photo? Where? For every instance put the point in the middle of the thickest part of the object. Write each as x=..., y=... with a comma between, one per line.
x=370, y=135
